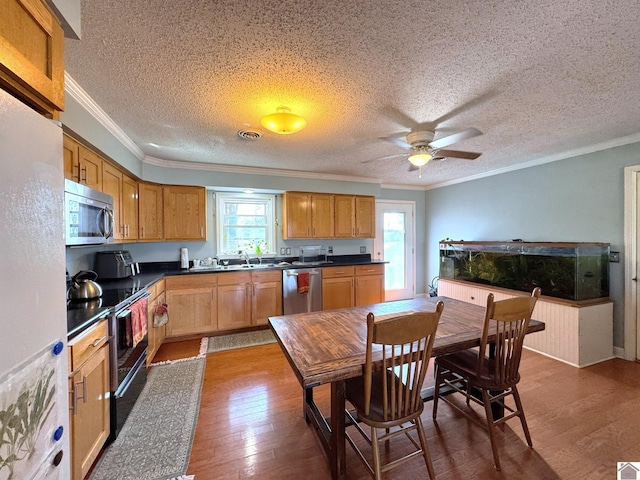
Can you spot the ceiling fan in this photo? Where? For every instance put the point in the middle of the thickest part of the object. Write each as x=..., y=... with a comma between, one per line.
x=422, y=148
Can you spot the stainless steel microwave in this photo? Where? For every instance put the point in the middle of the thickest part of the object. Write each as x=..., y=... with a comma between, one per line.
x=88, y=215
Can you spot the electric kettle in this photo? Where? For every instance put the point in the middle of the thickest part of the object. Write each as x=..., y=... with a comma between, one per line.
x=83, y=286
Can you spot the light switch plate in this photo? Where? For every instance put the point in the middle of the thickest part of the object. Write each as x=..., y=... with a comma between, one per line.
x=363, y=249
x=614, y=257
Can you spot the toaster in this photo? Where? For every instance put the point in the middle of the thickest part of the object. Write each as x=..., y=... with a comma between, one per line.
x=115, y=264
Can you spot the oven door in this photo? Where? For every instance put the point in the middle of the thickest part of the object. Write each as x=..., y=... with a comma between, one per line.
x=128, y=362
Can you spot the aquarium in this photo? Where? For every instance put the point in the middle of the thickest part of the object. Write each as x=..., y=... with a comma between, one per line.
x=573, y=271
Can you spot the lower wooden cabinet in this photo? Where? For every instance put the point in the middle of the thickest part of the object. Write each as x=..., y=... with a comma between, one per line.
x=234, y=300
x=337, y=287
x=206, y=303
x=350, y=286
x=369, y=286
x=193, y=301
x=88, y=397
x=156, y=335
x=266, y=298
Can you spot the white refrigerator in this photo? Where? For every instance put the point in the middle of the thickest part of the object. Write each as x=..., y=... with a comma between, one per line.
x=34, y=415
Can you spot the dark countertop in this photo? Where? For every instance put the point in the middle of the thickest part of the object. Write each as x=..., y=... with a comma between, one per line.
x=80, y=316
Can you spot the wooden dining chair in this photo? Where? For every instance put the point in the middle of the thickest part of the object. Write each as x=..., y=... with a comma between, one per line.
x=387, y=396
x=494, y=375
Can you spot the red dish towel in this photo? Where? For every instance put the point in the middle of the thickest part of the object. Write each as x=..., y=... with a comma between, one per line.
x=303, y=283
x=139, y=320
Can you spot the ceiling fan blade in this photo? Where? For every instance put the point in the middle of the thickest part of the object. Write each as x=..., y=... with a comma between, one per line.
x=456, y=154
x=455, y=138
x=387, y=157
x=398, y=139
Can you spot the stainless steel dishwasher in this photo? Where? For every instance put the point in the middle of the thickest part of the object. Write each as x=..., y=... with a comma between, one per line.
x=295, y=302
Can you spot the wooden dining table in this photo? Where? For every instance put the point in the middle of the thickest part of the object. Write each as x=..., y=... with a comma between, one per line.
x=328, y=347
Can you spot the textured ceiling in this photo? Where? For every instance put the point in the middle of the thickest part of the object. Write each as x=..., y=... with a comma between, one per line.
x=539, y=78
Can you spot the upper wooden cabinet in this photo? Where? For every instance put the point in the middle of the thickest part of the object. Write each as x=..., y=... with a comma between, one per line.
x=112, y=185
x=345, y=222
x=81, y=164
x=129, y=208
x=89, y=168
x=296, y=215
x=124, y=191
x=71, y=156
x=324, y=215
x=365, y=217
x=32, y=55
x=185, y=212
x=150, y=212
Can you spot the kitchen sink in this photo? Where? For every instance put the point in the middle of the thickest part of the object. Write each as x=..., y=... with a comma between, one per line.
x=222, y=268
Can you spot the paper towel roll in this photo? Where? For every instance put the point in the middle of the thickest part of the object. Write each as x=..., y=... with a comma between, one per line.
x=184, y=258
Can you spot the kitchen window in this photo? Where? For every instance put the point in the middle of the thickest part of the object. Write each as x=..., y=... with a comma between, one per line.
x=245, y=223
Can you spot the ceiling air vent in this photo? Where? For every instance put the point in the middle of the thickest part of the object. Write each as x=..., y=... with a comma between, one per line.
x=249, y=135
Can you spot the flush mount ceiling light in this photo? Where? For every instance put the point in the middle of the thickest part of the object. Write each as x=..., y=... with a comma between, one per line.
x=283, y=121
x=420, y=156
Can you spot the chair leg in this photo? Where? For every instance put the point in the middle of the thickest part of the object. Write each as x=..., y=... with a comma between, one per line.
x=375, y=445
x=425, y=449
x=491, y=426
x=516, y=397
x=436, y=390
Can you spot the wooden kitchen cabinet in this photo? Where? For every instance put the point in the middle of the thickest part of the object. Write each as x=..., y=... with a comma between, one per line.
x=156, y=335
x=345, y=216
x=365, y=207
x=90, y=168
x=266, y=300
x=354, y=216
x=150, y=218
x=369, y=284
x=81, y=164
x=71, y=155
x=129, y=208
x=193, y=300
x=338, y=287
x=112, y=185
x=307, y=215
x=325, y=215
x=185, y=212
x=32, y=55
x=296, y=215
x=89, y=388
x=234, y=300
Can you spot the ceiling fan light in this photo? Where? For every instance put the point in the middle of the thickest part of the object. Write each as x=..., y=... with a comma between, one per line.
x=283, y=121
x=419, y=159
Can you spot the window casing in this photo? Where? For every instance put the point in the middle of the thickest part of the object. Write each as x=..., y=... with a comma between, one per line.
x=245, y=223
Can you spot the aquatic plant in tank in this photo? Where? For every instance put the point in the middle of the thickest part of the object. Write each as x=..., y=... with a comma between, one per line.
x=572, y=271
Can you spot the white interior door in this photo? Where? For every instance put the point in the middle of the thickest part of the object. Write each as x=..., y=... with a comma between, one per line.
x=394, y=243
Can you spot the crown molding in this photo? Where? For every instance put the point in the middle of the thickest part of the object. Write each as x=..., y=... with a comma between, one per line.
x=76, y=91
x=576, y=152
x=217, y=167
x=73, y=89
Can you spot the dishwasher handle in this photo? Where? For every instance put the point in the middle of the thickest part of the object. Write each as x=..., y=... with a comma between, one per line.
x=295, y=274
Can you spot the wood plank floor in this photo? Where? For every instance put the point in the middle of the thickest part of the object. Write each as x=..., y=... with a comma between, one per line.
x=582, y=422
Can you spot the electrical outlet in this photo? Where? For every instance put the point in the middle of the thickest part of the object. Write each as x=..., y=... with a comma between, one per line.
x=614, y=257
x=288, y=250
x=282, y=250
x=330, y=249
x=363, y=249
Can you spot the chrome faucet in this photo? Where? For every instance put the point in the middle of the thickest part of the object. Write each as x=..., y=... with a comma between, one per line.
x=244, y=256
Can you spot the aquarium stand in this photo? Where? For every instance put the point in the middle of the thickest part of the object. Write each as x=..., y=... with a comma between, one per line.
x=579, y=333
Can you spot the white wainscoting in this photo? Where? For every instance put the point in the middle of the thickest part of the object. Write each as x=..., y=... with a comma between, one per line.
x=577, y=335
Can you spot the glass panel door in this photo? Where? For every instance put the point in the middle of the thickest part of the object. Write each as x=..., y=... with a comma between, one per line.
x=394, y=244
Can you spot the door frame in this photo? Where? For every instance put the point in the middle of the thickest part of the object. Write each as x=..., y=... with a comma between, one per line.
x=631, y=328
x=411, y=256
